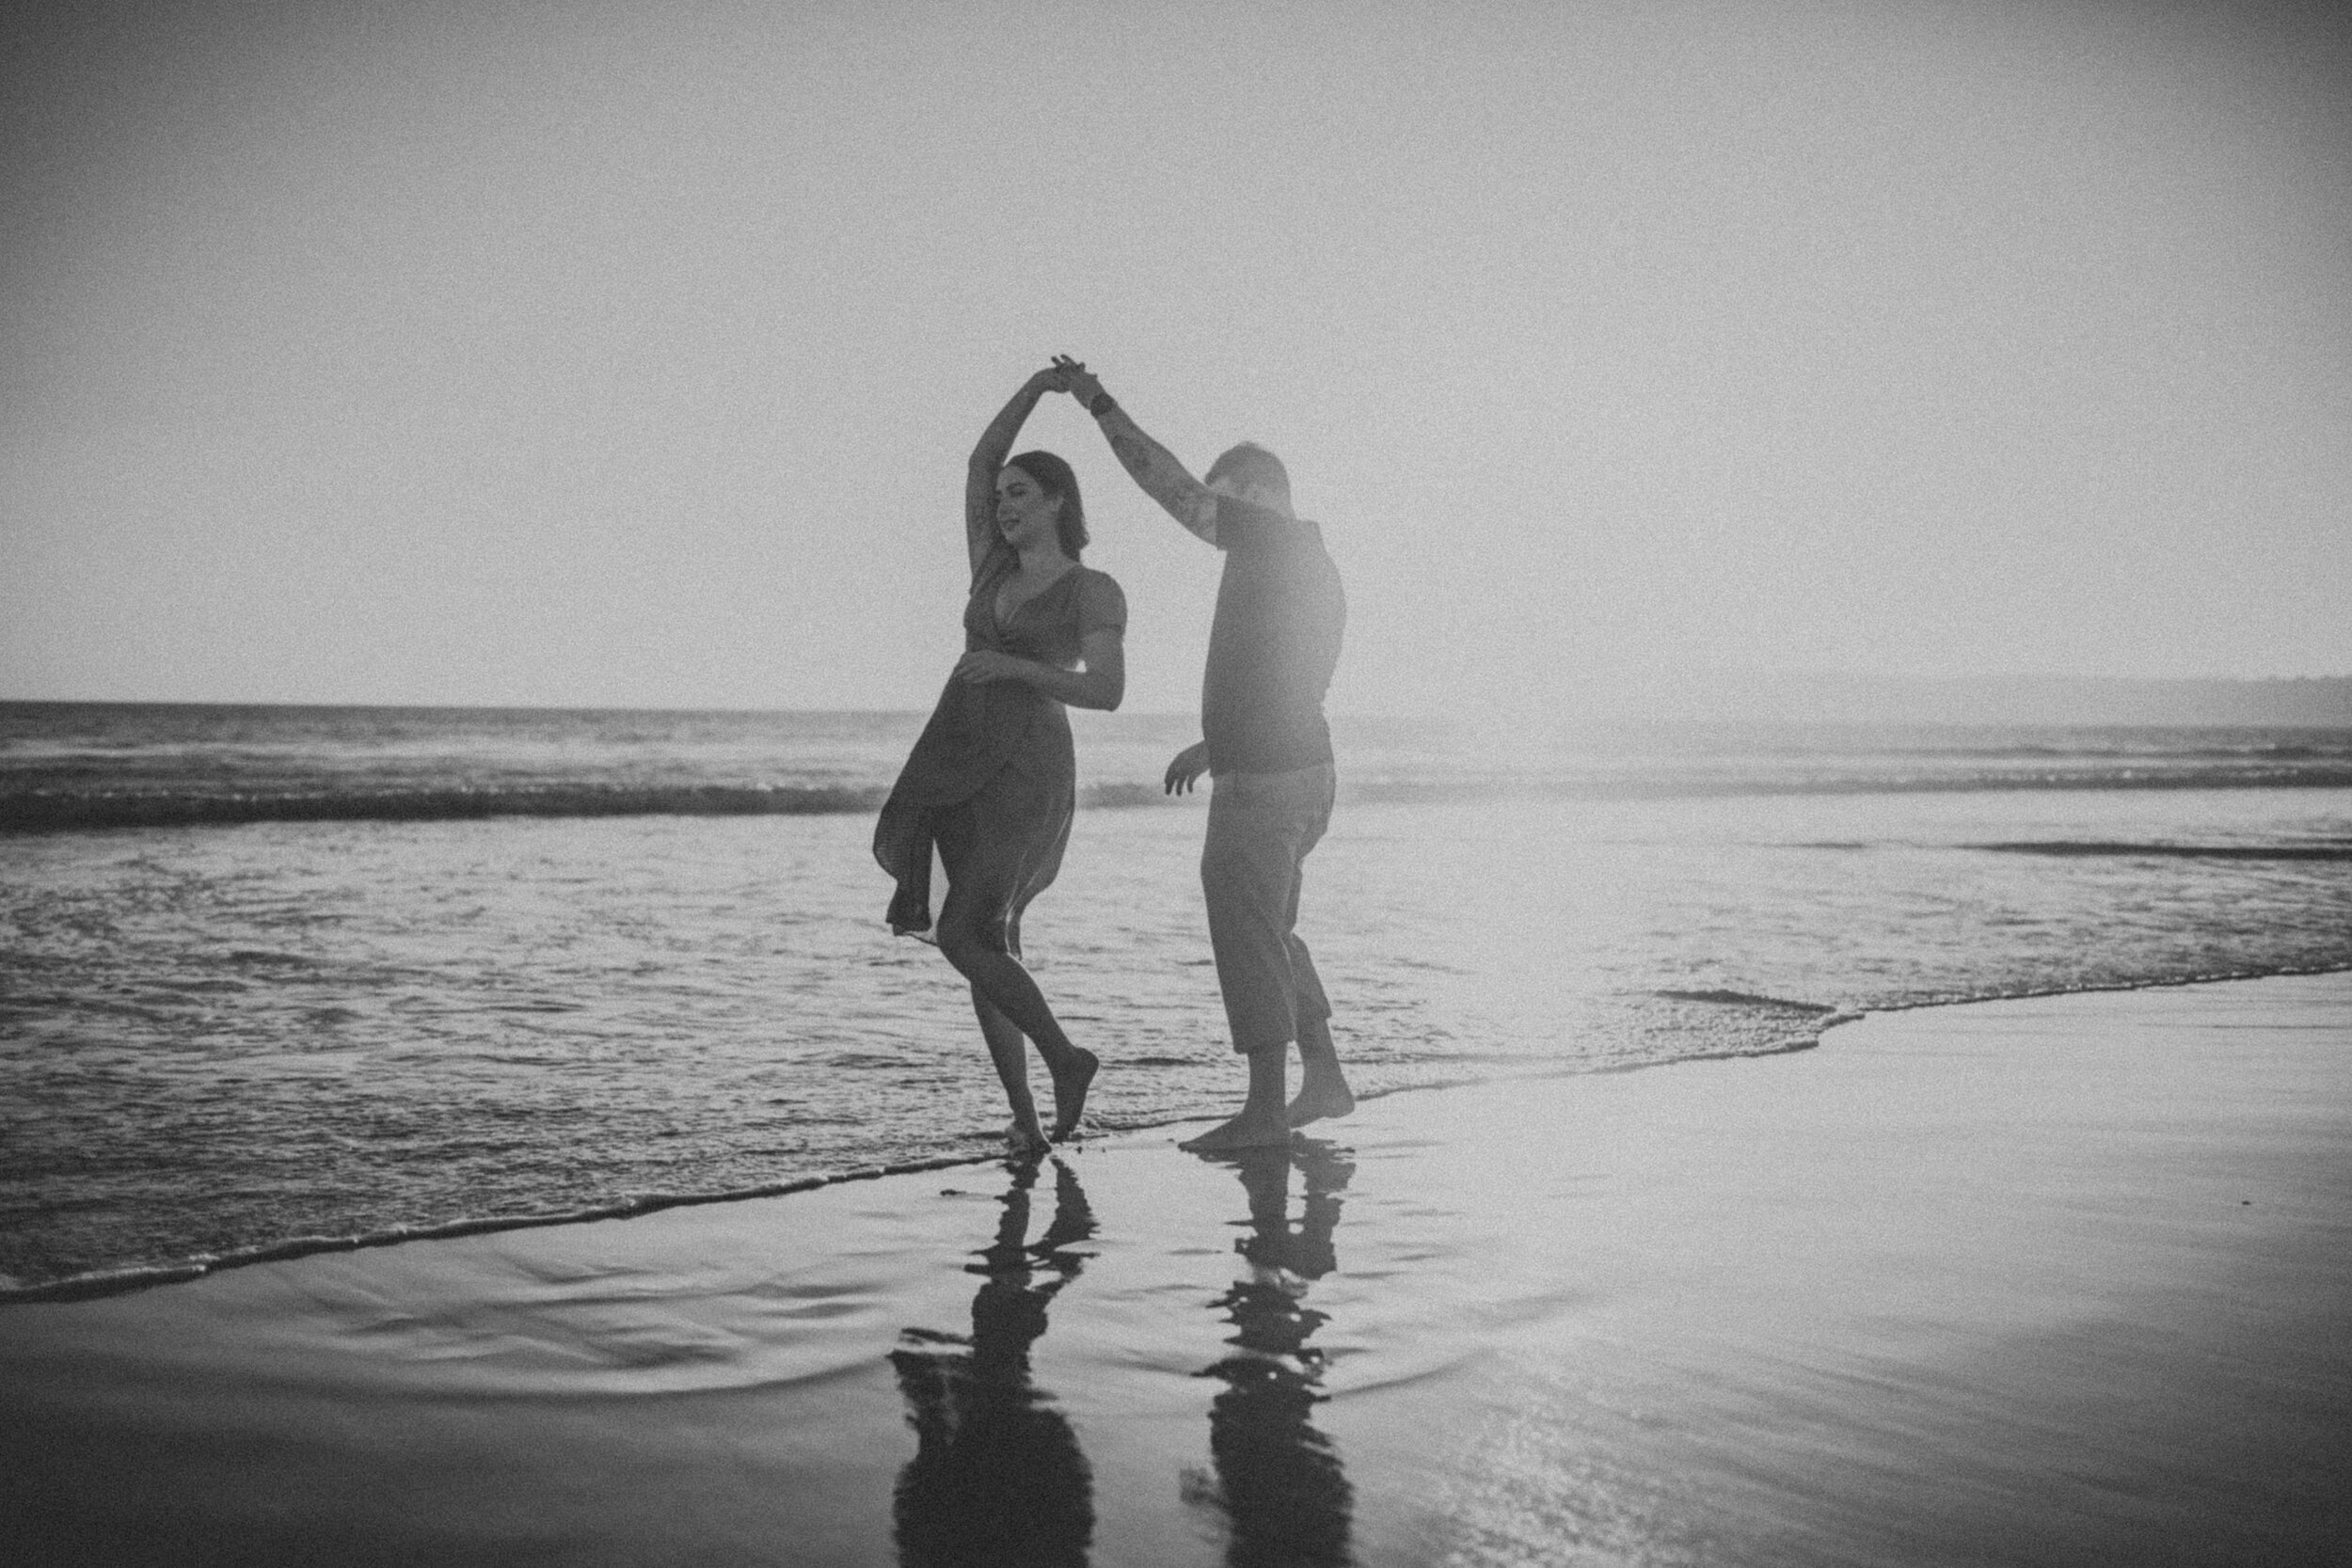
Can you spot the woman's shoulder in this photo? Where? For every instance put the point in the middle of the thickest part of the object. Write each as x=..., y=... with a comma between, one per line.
x=1099, y=597
x=1098, y=585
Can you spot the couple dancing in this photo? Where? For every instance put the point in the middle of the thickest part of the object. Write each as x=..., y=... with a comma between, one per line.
x=992, y=783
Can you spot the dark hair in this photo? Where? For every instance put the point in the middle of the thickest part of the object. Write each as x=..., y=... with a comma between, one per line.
x=1054, y=477
x=1250, y=464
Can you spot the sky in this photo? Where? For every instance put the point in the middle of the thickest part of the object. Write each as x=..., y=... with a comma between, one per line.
x=629, y=354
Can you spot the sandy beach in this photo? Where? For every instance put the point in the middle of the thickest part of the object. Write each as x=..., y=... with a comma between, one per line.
x=2054, y=1280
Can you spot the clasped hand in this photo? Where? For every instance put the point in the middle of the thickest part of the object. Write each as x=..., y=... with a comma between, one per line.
x=1077, y=379
x=984, y=665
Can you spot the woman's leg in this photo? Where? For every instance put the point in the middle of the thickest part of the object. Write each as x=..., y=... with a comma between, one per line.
x=975, y=923
x=972, y=937
x=1004, y=1047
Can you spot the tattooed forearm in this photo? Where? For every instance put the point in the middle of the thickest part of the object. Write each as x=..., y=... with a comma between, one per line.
x=1137, y=451
x=1161, y=476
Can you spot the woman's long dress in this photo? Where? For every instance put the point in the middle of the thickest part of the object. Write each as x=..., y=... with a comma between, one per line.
x=992, y=781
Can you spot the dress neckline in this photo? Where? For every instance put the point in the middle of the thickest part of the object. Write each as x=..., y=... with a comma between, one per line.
x=996, y=596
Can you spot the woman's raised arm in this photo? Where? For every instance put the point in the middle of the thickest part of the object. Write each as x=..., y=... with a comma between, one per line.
x=980, y=480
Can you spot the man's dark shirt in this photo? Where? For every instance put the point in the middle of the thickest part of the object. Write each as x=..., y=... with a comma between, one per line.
x=1276, y=640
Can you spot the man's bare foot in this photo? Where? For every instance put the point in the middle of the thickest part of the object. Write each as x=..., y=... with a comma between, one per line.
x=1321, y=1097
x=1244, y=1131
x=1070, y=1092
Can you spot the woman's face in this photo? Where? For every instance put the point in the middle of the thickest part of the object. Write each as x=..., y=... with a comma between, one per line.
x=1025, y=512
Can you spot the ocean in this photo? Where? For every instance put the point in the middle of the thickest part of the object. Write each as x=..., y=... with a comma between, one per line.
x=277, y=979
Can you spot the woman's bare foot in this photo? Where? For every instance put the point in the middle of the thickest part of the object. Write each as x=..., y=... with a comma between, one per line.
x=1322, y=1095
x=1070, y=1090
x=1024, y=1140
x=1250, y=1129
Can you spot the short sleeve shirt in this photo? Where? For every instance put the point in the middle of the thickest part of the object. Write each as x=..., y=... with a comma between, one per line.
x=1280, y=613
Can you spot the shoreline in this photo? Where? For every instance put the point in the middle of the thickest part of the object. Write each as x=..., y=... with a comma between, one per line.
x=98, y=1284
x=1973, y=1283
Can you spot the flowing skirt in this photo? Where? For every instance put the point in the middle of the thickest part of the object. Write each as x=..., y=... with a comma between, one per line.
x=999, y=812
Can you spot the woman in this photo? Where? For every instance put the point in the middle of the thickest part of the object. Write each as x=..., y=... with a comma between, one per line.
x=992, y=783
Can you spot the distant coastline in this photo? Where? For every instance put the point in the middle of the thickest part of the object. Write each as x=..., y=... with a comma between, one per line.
x=2303, y=702
x=1669, y=697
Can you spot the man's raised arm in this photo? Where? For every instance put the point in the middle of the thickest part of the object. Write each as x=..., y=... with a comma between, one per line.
x=1151, y=465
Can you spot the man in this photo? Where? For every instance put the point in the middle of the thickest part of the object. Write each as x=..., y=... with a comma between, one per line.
x=1276, y=639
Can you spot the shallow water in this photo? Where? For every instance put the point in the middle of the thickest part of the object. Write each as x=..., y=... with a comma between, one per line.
x=1976, y=1286
x=214, y=1038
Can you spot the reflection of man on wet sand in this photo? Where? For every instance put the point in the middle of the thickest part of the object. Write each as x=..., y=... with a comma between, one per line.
x=1272, y=647
x=997, y=1476
x=1285, y=1496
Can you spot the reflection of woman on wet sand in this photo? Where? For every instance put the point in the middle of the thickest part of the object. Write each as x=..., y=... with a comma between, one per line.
x=997, y=1476
x=1284, y=1494
x=992, y=781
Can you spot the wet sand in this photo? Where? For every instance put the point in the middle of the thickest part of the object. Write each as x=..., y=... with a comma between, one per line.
x=2049, y=1281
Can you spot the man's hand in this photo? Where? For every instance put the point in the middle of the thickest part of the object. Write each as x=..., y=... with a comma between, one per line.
x=1186, y=768
x=1150, y=464
x=1077, y=380
x=984, y=665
